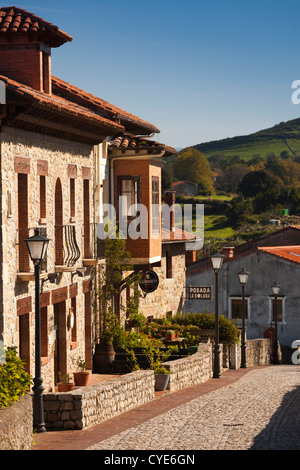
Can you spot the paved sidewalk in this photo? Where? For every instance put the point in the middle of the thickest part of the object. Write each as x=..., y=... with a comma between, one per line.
x=255, y=408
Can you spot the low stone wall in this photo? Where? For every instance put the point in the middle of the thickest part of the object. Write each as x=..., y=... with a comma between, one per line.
x=258, y=353
x=91, y=405
x=191, y=370
x=16, y=425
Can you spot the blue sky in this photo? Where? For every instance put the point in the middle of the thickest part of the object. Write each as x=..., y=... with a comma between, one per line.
x=198, y=70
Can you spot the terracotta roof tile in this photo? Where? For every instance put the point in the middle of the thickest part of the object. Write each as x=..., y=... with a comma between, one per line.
x=290, y=253
x=14, y=20
x=123, y=142
x=62, y=88
x=60, y=104
x=177, y=235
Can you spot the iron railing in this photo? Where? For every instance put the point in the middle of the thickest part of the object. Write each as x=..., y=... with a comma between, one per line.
x=67, y=251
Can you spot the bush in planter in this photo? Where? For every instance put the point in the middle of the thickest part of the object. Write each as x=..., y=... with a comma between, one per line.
x=82, y=375
x=14, y=380
x=227, y=328
x=65, y=384
x=154, y=350
x=162, y=377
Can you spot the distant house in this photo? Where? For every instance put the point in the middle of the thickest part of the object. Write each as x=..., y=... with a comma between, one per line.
x=186, y=188
x=266, y=265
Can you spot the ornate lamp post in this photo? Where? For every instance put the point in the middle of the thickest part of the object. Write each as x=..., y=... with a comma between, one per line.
x=37, y=247
x=217, y=261
x=275, y=289
x=243, y=277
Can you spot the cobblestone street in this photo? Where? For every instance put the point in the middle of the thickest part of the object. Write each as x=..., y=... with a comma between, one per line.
x=255, y=409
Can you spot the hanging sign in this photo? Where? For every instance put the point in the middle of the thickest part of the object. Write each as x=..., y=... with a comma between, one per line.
x=149, y=282
x=201, y=293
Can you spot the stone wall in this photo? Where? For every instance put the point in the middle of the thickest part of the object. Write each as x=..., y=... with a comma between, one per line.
x=191, y=370
x=169, y=295
x=94, y=404
x=91, y=405
x=16, y=425
x=258, y=353
x=41, y=154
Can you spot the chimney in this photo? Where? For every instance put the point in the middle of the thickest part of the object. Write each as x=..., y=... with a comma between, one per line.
x=25, y=47
x=169, y=199
x=228, y=251
x=190, y=257
x=27, y=63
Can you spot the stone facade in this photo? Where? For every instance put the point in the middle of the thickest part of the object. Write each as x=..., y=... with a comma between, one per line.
x=168, y=297
x=16, y=431
x=41, y=154
x=263, y=268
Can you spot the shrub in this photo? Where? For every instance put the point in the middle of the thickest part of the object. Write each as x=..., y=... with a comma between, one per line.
x=228, y=330
x=14, y=380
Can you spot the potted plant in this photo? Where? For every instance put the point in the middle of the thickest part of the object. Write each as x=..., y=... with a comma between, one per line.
x=82, y=375
x=65, y=385
x=162, y=378
x=170, y=335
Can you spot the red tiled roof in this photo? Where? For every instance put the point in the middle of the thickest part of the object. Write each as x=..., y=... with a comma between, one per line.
x=182, y=182
x=59, y=104
x=177, y=235
x=290, y=253
x=62, y=88
x=14, y=20
x=124, y=142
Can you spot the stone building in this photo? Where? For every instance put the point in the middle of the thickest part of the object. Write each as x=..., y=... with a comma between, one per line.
x=64, y=153
x=265, y=265
x=186, y=188
x=135, y=171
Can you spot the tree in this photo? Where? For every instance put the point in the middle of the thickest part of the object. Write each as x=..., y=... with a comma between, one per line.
x=191, y=165
x=257, y=182
x=239, y=209
x=232, y=176
x=112, y=280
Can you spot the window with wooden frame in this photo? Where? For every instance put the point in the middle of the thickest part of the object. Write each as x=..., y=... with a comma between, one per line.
x=169, y=265
x=129, y=189
x=237, y=308
x=72, y=199
x=44, y=332
x=279, y=307
x=43, y=210
x=23, y=222
x=155, y=205
x=74, y=329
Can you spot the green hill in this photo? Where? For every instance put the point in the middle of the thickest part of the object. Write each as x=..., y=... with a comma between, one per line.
x=275, y=140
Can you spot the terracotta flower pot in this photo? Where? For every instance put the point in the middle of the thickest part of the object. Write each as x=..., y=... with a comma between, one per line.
x=81, y=379
x=169, y=336
x=65, y=387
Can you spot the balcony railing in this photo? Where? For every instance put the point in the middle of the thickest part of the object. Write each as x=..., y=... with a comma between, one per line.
x=67, y=251
x=25, y=264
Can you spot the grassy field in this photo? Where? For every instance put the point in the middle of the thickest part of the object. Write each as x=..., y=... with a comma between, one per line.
x=217, y=226
x=260, y=148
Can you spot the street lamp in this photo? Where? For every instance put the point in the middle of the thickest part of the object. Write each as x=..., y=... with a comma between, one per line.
x=217, y=261
x=37, y=247
x=243, y=277
x=275, y=289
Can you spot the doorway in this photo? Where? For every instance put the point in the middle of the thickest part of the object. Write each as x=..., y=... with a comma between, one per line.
x=60, y=340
